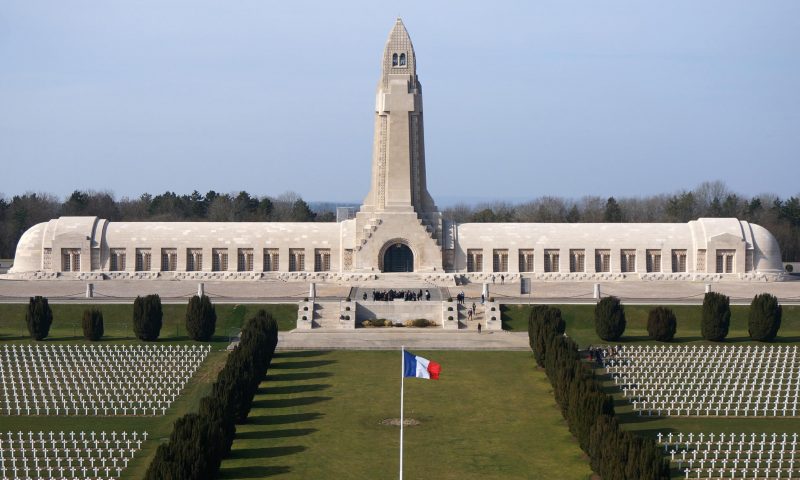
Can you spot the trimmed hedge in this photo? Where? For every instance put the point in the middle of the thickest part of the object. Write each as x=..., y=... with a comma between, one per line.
x=716, y=317
x=662, y=324
x=544, y=321
x=609, y=319
x=39, y=317
x=147, y=317
x=92, y=324
x=201, y=318
x=764, y=318
x=199, y=441
x=589, y=412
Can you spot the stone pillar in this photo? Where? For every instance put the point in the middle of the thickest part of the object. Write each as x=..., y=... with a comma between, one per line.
x=201, y=289
x=708, y=287
x=485, y=291
x=312, y=291
x=90, y=290
x=597, y=291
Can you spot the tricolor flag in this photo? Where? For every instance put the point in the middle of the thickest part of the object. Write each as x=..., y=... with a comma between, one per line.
x=414, y=366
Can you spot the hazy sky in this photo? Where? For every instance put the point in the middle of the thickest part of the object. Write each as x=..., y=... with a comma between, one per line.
x=522, y=99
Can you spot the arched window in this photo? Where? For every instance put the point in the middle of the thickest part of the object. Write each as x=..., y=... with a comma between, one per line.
x=402, y=59
x=394, y=60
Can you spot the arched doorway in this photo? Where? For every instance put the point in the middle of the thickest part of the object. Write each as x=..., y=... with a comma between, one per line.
x=398, y=258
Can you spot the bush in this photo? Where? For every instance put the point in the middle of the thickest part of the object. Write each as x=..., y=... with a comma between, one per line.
x=661, y=324
x=388, y=323
x=716, y=317
x=201, y=318
x=199, y=441
x=609, y=319
x=421, y=323
x=39, y=317
x=92, y=324
x=544, y=322
x=589, y=411
x=147, y=317
x=764, y=318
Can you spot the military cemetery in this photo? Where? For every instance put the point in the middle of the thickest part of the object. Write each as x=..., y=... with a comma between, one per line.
x=161, y=349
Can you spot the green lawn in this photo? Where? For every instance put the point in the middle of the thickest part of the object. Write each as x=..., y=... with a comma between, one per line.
x=118, y=327
x=580, y=323
x=491, y=416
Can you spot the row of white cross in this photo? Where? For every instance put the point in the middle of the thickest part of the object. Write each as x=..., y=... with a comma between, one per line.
x=73, y=455
x=708, y=380
x=95, y=380
x=733, y=455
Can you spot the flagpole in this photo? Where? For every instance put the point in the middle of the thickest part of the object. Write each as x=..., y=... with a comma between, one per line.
x=402, y=387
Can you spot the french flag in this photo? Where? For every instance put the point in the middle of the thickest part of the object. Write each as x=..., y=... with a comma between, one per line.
x=414, y=366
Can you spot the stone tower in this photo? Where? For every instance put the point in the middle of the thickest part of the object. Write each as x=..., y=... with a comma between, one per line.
x=398, y=210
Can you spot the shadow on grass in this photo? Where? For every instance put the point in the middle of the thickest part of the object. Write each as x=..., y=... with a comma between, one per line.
x=301, y=364
x=284, y=419
x=253, y=471
x=293, y=377
x=266, y=452
x=301, y=353
x=315, y=387
x=285, y=433
x=289, y=402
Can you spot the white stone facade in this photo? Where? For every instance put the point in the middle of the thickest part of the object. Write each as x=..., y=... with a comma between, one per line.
x=398, y=228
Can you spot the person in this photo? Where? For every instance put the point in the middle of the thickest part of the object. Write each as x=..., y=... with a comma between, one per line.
x=427, y=294
x=479, y=328
x=474, y=309
x=483, y=299
x=502, y=279
x=365, y=296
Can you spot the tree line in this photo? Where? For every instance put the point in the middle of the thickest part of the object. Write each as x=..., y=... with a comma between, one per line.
x=614, y=453
x=199, y=441
x=781, y=216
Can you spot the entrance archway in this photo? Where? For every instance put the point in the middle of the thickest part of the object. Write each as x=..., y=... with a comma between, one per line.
x=398, y=258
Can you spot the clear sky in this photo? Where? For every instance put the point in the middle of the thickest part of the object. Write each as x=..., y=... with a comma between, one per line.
x=522, y=99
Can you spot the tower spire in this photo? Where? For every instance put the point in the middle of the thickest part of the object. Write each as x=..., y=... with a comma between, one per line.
x=398, y=159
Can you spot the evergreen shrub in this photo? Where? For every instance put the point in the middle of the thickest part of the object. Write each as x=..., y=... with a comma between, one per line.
x=38, y=317
x=661, y=324
x=92, y=324
x=764, y=318
x=544, y=322
x=147, y=317
x=201, y=318
x=199, y=441
x=716, y=317
x=609, y=319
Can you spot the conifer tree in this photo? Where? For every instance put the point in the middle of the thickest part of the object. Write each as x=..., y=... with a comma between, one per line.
x=764, y=318
x=201, y=318
x=716, y=317
x=38, y=317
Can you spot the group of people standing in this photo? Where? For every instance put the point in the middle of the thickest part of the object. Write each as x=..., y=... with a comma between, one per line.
x=407, y=295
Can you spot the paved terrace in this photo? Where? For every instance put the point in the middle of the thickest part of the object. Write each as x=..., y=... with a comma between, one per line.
x=272, y=291
x=394, y=338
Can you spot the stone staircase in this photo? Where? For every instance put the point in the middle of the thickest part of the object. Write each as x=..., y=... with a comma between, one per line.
x=328, y=315
x=363, y=235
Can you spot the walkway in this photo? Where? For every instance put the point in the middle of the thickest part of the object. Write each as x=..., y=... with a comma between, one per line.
x=394, y=338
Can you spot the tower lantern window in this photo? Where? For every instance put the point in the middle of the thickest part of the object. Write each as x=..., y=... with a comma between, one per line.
x=402, y=59
x=394, y=60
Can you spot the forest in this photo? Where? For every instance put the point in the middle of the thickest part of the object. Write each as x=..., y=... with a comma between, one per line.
x=779, y=215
